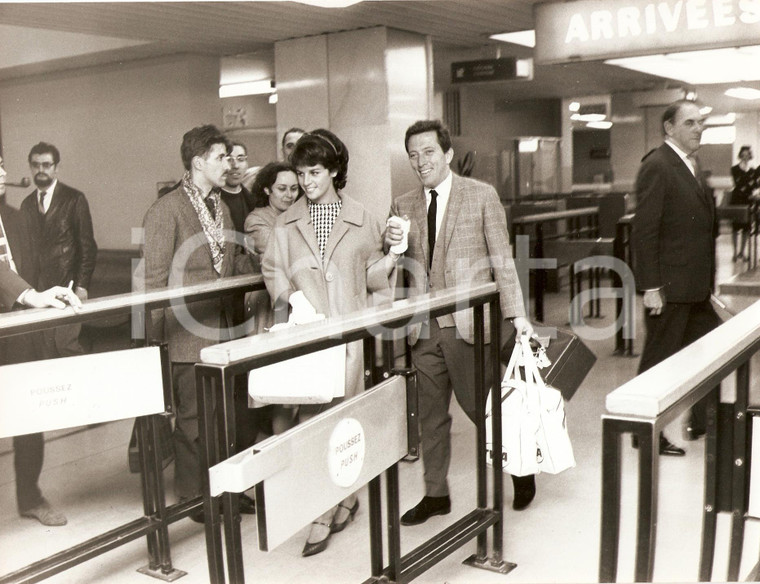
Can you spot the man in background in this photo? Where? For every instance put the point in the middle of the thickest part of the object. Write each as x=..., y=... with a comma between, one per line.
x=185, y=244
x=236, y=196
x=673, y=241
x=289, y=139
x=62, y=246
x=240, y=202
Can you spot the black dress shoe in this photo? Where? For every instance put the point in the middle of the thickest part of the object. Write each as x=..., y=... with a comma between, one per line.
x=313, y=548
x=667, y=448
x=525, y=491
x=425, y=509
x=246, y=504
x=337, y=527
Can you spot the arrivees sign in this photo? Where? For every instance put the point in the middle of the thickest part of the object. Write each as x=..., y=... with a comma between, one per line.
x=600, y=29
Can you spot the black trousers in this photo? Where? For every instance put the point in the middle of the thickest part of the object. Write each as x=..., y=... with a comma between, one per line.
x=679, y=325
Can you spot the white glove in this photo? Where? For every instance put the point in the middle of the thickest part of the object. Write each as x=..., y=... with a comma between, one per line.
x=302, y=310
x=402, y=223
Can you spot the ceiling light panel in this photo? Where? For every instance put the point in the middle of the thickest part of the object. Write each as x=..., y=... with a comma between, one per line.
x=700, y=67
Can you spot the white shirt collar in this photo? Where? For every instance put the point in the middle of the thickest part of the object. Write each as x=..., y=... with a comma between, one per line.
x=49, y=189
x=685, y=157
x=443, y=189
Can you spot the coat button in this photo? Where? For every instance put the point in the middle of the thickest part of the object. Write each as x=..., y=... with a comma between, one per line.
x=329, y=277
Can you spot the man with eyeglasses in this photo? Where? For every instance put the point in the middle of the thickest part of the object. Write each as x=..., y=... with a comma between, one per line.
x=240, y=202
x=63, y=249
x=238, y=198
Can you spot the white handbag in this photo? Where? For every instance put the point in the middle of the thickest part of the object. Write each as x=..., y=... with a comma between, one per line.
x=519, y=421
x=555, y=451
x=534, y=428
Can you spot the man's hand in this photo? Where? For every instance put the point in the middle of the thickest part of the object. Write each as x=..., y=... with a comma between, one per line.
x=55, y=297
x=654, y=301
x=522, y=326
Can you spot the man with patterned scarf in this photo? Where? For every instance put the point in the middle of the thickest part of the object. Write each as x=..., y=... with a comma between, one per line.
x=189, y=239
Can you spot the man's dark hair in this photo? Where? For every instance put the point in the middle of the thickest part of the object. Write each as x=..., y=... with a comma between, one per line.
x=422, y=126
x=323, y=147
x=45, y=148
x=290, y=131
x=243, y=146
x=670, y=113
x=744, y=149
x=198, y=142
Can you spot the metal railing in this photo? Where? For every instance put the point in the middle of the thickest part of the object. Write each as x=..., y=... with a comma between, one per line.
x=216, y=378
x=157, y=516
x=577, y=223
x=645, y=405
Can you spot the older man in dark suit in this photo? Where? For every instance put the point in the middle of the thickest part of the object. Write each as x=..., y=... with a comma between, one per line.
x=189, y=239
x=673, y=242
x=458, y=235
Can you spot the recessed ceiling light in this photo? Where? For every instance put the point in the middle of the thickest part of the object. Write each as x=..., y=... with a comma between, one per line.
x=526, y=38
x=246, y=88
x=574, y=106
x=721, y=120
x=599, y=125
x=743, y=93
x=731, y=65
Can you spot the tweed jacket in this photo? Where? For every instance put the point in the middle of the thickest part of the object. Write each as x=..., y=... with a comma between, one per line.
x=474, y=241
x=673, y=234
x=351, y=273
x=63, y=245
x=175, y=254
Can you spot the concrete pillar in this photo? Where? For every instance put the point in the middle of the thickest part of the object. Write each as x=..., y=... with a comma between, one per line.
x=367, y=86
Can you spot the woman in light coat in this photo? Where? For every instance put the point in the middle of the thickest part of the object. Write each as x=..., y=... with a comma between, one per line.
x=327, y=246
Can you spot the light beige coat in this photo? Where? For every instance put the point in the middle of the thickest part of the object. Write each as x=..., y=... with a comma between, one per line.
x=351, y=272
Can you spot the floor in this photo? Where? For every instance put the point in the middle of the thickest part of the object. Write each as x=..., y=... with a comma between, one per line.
x=555, y=540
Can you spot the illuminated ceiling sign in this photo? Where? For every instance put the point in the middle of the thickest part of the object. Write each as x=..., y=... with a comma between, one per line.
x=587, y=30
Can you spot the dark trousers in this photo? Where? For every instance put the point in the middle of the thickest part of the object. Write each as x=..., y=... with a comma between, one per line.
x=187, y=462
x=28, y=449
x=679, y=325
x=444, y=362
x=28, y=453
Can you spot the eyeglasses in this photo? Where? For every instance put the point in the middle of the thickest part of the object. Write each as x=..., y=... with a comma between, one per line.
x=242, y=158
x=42, y=165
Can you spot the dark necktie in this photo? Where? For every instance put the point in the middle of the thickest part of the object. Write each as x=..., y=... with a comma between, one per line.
x=41, y=205
x=210, y=205
x=432, y=211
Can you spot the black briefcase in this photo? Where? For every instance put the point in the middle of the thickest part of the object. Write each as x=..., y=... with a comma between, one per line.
x=570, y=359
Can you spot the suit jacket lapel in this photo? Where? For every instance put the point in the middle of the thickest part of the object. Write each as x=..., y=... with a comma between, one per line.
x=350, y=214
x=189, y=214
x=452, y=210
x=303, y=223
x=419, y=212
x=679, y=166
x=55, y=203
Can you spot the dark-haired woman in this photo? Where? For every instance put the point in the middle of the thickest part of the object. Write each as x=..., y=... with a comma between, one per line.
x=274, y=190
x=327, y=246
x=745, y=181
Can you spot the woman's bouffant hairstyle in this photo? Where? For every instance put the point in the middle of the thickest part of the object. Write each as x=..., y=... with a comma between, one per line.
x=265, y=178
x=322, y=147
